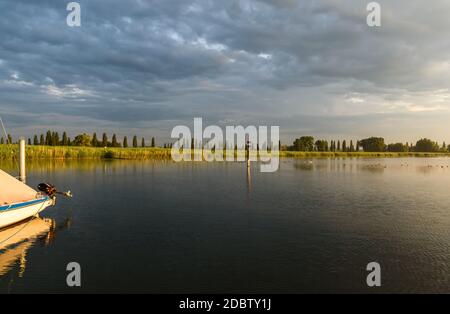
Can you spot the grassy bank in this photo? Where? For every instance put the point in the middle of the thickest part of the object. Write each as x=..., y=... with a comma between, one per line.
x=290, y=154
x=11, y=152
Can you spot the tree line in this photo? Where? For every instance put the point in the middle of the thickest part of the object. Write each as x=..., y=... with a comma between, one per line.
x=372, y=144
x=304, y=143
x=86, y=140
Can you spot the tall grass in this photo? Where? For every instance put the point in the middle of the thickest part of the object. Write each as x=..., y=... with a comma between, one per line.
x=292, y=154
x=11, y=152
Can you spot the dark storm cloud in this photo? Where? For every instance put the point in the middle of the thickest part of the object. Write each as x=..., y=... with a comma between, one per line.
x=135, y=64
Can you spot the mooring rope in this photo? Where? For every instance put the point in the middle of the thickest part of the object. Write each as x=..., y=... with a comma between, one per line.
x=4, y=131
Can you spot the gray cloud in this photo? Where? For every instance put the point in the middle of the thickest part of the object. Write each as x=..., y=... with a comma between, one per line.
x=310, y=66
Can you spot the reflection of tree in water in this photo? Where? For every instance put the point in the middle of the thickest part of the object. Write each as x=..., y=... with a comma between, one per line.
x=89, y=165
x=374, y=168
x=304, y=166
x=431, y=168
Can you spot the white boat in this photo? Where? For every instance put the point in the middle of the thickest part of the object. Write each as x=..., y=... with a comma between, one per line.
x=18, y=201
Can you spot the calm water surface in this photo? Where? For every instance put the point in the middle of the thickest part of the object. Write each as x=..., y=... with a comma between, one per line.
x=161, y=227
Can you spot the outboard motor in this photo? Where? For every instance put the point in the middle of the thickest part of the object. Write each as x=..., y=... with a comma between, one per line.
x=48, y=189
x=51, y=191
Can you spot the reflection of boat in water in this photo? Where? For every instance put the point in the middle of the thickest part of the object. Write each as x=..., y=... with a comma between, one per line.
x=18, y=238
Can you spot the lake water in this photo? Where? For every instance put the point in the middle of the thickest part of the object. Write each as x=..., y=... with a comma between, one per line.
x=313, y=226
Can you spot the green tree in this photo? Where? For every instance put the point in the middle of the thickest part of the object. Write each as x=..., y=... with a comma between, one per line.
x=135, y=142
x=104, y=140
x=304, y=144
x=333, y=146
x=42, y=140
x=373, y=144
x=114, y=141
x=397, y=147
x=95, y=140
x=29, y=141
x=82, y=140
x=35, y=140
x=55, y=139
x=125, y=142
x=352, y=147
x=143, y=142
x=2, y=141
x=153, y=142
x=426, y=146
x=48, y=138
x=344, y=146
x=10, y=141
x=321, y=145
x=65, y=140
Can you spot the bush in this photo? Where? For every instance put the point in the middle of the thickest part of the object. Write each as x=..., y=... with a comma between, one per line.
x=108, y=155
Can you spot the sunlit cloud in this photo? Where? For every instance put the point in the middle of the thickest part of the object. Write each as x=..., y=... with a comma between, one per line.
x=68, y=91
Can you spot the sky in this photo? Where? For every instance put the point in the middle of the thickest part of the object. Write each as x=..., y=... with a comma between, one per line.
x=312, y=67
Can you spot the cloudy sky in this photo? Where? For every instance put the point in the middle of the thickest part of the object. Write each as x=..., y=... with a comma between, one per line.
x=310, y=66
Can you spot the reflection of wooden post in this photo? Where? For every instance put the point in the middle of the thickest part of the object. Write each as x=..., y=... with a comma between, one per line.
x=249, y=180
x=22, y=170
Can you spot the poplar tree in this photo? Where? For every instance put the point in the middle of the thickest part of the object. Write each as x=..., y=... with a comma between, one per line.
x=55, y=139
x=65, y=141
x=104, y=140
x=94, y=140
x=48, y=138
x=114, y=141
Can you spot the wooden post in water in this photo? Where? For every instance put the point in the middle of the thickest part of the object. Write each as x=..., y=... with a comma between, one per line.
x=22, y=165
x=247, y=153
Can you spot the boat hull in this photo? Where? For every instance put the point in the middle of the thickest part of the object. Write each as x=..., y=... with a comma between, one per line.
x=15, y=213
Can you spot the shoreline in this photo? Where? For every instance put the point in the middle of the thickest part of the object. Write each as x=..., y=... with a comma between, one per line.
x=11, y=152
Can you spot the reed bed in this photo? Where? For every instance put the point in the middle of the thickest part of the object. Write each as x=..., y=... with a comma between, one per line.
x=11, y=152
x=292, y=154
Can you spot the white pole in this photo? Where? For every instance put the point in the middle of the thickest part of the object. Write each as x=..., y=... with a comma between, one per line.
x=22, y=166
